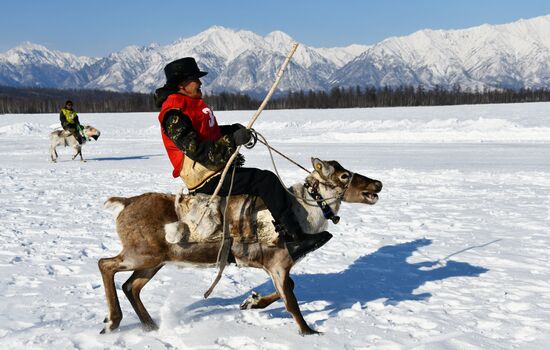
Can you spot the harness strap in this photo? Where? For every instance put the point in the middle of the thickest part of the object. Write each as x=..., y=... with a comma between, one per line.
x=225, y=247
x=321, y=202
x=82, y=133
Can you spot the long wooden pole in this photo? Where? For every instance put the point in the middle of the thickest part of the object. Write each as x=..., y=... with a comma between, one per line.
x=223, y=253
x=279, y=75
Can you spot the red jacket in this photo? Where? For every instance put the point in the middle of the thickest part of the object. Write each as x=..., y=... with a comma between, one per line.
x=203, y=120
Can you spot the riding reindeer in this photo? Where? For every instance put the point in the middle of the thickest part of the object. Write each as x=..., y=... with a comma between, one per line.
x=142, y=221
x=62, y=137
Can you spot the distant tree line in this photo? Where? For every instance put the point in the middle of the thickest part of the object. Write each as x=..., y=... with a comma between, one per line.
x=45, y=100
x=404, y=96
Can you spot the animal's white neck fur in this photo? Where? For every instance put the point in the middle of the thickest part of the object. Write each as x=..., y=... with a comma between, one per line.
x=313, y=220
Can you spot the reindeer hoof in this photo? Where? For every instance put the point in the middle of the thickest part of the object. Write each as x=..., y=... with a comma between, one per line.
x=309, y=331
x=249, y=302
x=110, y=326
x=107, y=329
x=150, y=327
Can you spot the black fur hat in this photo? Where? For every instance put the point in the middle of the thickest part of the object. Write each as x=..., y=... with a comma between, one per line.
x=182, y=69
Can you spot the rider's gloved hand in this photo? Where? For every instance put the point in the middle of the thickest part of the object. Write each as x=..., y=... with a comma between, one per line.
x=241, y=136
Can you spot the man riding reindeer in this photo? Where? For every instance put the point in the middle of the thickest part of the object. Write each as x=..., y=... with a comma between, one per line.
x=199, y=149
x=69, y=121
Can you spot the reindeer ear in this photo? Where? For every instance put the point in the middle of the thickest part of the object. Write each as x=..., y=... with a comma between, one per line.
x=323, y=168
x=316, y=162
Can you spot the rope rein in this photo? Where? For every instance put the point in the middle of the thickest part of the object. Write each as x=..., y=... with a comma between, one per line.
x=263, y=141
x=307, y=201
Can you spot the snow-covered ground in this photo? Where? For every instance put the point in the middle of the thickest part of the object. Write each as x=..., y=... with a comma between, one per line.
x=453, y=256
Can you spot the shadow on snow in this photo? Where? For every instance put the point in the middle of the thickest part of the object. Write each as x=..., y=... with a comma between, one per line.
x=147, y=156
x=384, y=274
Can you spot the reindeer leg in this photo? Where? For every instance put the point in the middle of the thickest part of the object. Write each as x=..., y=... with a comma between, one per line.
x=257, y=301
x=285, y=287
x=132, y=287
x=53, y=154
x=108, y=268
x=78, y=152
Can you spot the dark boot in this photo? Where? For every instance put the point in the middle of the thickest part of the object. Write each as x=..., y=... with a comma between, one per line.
x=299, y=243
x=311, y=242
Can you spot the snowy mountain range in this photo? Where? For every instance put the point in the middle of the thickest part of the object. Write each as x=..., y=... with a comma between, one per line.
x=511, y=55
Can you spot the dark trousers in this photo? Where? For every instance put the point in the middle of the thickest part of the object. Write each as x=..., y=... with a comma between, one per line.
x=74, y=131
x=257, y=182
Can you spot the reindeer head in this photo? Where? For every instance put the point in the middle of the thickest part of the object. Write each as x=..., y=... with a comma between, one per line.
x=355, y=188
x=91, y=132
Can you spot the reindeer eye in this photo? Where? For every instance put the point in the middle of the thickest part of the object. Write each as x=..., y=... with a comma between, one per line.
x=344, y=177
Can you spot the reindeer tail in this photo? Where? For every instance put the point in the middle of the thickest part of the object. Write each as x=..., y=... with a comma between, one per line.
x=116, y=205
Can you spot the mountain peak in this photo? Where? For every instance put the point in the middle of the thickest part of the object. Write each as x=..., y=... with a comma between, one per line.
x=29, y=46
x=278, y=35
x=220, y=31
x=217, y=28
x=279, y=40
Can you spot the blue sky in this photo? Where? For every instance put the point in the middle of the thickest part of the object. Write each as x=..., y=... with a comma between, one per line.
x=98, y=27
